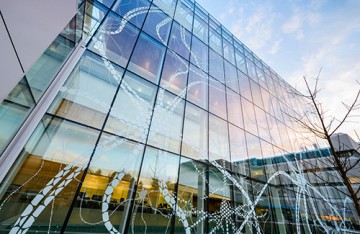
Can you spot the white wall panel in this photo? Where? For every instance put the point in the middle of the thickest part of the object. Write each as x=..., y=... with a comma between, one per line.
x=10, y=70
x=33, y=25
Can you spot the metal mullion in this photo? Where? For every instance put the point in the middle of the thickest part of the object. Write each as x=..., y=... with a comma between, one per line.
x=63, y=228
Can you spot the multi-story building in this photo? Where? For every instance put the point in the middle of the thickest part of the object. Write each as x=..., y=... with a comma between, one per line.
x=151, y=117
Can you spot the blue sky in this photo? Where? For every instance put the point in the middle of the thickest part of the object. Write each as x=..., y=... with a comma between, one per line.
x=298, y=37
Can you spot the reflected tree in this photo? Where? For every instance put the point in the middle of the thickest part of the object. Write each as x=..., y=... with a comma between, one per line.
x=316, y=120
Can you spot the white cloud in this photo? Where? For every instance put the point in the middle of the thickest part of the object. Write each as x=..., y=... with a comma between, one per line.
x=275, y=48
x=293, y=24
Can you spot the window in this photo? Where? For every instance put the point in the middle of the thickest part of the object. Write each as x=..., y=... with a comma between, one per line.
x=217, y=99
x=166, y=125
x=174, y=74
x=88, y=92
x=138, y=9
x=147, y=58
x=195, y=133
x=198, y=87
x=116, y=47
x=132, y=109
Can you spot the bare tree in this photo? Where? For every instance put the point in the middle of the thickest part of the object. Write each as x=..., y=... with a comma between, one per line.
x=316, y=120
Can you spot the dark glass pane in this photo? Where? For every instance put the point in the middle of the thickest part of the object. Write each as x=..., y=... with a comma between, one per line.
x=147, y=58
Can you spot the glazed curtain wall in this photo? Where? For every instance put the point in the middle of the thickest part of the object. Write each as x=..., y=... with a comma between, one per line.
x=168, y=124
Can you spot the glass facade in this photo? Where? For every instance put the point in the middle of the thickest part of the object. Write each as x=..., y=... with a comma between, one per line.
x=166, y=124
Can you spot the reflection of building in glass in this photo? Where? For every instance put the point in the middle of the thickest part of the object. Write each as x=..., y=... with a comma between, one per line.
x=150, y=117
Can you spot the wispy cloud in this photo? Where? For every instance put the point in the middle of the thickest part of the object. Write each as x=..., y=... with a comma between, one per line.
x=293, y=24
x=275, y=48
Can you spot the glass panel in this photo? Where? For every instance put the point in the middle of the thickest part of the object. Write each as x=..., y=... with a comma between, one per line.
x=253, y=146
x=195, y=133
x=217, y=99
x=216, y=67
x=107, y=190
x=168, y=6
x=147, y=58
x=155, y=198
x=166, y=125
x=256, y=94
x=218, y=139
x=46, y=176
x=219, y=201
x=132, y=109
x=13, y=112
x=240, y=61
x=198, y=87
x=184, y=14
x=231, y=78
x=94, y=14
x=274, y=132
x=251, y=70
x=215, y=41
x=135, y=10
x=244, y=85
x=88, y=92
x=42, y=73
x=262, y=124
x=191, y=196
x=235, y=114
x=116, y=46
x=158, y=25
x=237, y=144
x=200, y=29
x=228, y=51
x=174, y=74
x=180, y=40
x=199, y=54
x=107, y=3
x=249, y=116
